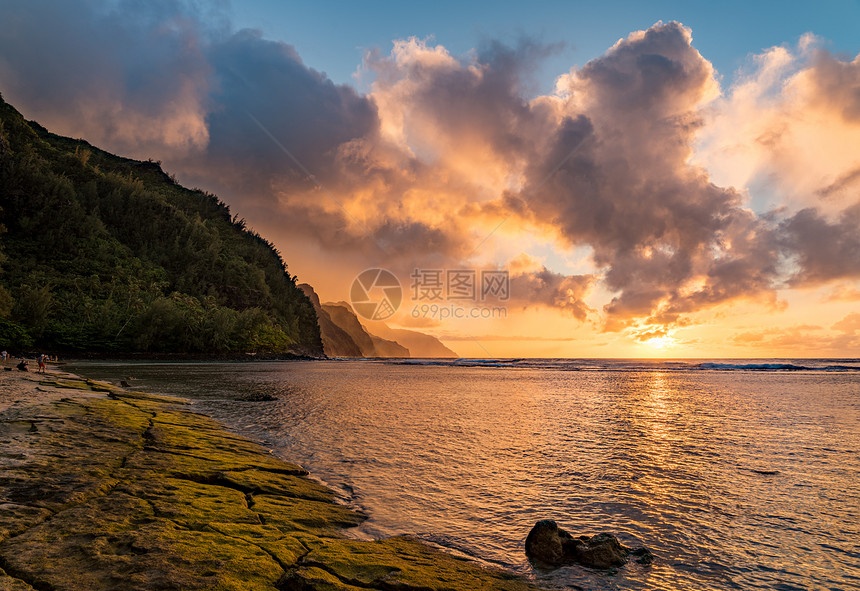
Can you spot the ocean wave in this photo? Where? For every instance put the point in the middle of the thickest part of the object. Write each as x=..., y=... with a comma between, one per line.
x=775, y=367
x=754, y=366
x=627, y=365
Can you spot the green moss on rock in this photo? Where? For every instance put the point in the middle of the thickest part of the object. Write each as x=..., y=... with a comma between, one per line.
x=8, y=583
x=275, y=483
x=401, y=563
x=304, y=515
x=132, y=493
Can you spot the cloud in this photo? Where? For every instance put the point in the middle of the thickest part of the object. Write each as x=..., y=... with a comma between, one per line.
x=787, y=129
x=448, y=160
x=555, y=290
x=844, y=292
x=604, y=164
x=619, y=180
x=134, y=77
x=807, y=339
x=646, y=335
x=512, y=338
x=824, y=250
x=786, y=134
x=468, y=117
x=849, y=325
x=845, y=182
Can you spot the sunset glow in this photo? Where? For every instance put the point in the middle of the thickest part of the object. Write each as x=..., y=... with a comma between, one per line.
x=661, y=343
x=638, y=189
x=429, y=295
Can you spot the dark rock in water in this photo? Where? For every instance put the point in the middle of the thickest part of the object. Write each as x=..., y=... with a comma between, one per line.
x=643, y=555
x=256, y=397
x=549, y=545
x=545, y=543
x=600, y=551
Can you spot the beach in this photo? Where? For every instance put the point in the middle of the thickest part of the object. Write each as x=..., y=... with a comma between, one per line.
x=731, y=472
x=107, y=488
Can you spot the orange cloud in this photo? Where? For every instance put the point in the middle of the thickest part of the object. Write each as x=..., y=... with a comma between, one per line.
x=789, y=126
x=847, y=293
x=804, y=340
x=449, y=162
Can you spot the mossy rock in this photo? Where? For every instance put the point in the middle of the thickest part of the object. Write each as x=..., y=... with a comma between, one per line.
x=128, y=493
x=16, y=519
x=321, y=518
x=96, y=546
x=68, y=383
x=191, y=505
x=257, y=482
x=132, y=395
x=311, y=578
x=400, y=563
x=8, y=583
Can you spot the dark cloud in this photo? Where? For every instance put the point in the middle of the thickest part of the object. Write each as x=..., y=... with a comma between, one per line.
x=406, y=175
x=835, y=84
x=844, y=182
x=263, y=96
x=823, y=250
x=555, y=290
x=132, y=77
x=669, y=240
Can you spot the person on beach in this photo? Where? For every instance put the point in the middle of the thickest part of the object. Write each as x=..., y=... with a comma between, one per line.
x=22, y=365
x=4, y=355
x=42, y=363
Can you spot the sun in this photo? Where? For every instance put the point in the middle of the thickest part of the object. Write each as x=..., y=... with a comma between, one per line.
x=661, y=343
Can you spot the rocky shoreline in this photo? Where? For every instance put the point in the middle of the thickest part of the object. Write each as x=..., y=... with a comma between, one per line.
x=102, y=488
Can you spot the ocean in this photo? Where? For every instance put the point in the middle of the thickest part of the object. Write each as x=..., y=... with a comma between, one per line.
x=736, y=474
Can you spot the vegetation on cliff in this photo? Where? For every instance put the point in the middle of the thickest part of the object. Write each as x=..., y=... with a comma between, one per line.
x=102, y=253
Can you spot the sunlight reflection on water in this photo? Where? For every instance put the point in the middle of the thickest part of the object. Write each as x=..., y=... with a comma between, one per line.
x=734, y=479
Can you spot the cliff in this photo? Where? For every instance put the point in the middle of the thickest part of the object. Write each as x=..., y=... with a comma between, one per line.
x=336, y=341
x=342, y=314
x=418, y=343
x=106, y=254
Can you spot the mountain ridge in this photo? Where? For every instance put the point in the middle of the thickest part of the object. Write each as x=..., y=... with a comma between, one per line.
x=344, y=335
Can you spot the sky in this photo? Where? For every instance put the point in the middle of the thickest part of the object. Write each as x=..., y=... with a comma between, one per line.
x=562, y=179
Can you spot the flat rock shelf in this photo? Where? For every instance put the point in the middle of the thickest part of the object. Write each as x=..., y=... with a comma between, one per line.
x=106, y=489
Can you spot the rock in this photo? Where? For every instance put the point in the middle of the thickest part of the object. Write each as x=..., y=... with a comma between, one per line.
x=644, y=555
x=256, y=397
x=547, y=545
x=544, y=543
x=600, y=551
x=132, y=492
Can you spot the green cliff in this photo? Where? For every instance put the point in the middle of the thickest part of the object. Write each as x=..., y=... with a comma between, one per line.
x=107, y=254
